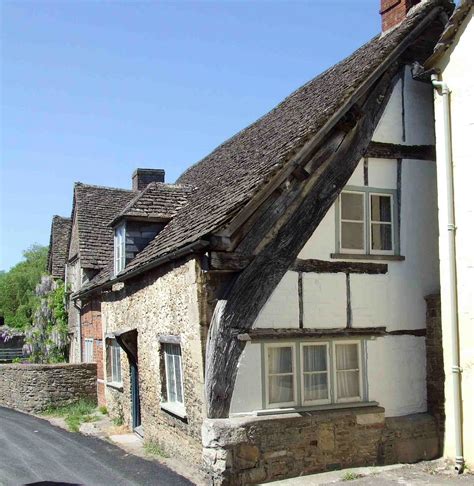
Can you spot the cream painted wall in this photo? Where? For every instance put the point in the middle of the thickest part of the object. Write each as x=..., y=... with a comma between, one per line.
x=394, y=300
x=457, y=71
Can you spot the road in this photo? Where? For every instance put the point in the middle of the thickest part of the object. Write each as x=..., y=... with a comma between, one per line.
x=33, y=451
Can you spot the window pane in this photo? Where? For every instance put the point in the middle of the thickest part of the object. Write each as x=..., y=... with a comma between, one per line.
x=280, y=360
x=381, y=208
x=352, y=236
x=381, y=237
x=314, y=358
x=316, y=386
x=280, y=389
x=171, y=380
x=177, y=371
x=352, y=206
x=347, y=356
x=348, y=384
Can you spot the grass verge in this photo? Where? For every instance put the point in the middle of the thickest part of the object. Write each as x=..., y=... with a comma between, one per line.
x=153, y=449
x=74, y=414
x=351, y=476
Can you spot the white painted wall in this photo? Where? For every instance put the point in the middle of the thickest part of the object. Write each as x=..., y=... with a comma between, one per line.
x=457, y=70
x=394, y=300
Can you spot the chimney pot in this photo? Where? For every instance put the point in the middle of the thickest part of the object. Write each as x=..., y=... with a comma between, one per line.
x=394, y=11
x=142, y=177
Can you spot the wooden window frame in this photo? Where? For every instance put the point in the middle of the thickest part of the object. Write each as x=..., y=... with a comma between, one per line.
x=324, y=401
x=120, y=235
x=113, y=354
x=360, y=370
x=91, y=342
x=175, y=407
x=362, y=251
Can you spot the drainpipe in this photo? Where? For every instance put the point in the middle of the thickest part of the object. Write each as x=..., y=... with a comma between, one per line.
x=445, y=176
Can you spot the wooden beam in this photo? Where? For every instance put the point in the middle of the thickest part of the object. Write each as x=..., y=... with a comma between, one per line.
x=322, y=266
x=293, y=333
x=379, y=150
x=228, y=262
x=254, y=285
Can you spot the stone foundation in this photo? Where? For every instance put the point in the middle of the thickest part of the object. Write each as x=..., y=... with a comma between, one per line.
x=250, y=450
x=36, y=387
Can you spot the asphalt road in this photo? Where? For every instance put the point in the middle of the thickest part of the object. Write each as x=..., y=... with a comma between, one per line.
x=32, y=451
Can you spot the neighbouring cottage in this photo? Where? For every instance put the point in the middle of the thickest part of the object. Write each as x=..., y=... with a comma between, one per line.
x=451, y=69
x=265, y=316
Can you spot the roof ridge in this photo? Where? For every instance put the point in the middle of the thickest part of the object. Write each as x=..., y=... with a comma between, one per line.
x=95, y=186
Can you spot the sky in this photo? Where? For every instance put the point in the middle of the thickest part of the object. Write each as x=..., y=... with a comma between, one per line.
x=91, y=90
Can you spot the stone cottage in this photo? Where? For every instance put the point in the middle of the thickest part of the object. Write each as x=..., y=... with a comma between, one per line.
x=264, y=317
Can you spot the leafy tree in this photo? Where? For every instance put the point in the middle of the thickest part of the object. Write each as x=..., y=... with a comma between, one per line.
x=17, y=287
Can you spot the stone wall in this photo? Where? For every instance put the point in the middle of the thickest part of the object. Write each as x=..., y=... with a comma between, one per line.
x=250, y=450
x=35, y=387
x=434, y=361
x=162, y=302
x=91, y=328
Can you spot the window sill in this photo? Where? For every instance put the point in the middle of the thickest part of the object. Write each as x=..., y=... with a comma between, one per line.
x=174, y=409
x=314, y=408
x=115, y=385
x=361, y=256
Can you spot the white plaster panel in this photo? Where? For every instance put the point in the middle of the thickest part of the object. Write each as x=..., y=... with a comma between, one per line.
x=324, y=300
x=383, y=173
x=282, y=308
x=419, y=127
x=390, y=128
x=323, y=241
x=369, y=300
x=396, y=372
x=247, y=394
x=357, y=177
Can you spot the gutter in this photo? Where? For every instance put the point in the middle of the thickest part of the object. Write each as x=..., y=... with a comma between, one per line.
x=445, y=178
x=185, y=250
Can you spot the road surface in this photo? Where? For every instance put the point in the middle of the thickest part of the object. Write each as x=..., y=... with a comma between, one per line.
x=32, y=451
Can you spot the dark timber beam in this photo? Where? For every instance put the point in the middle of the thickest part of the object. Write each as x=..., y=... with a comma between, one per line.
x=322, y=266
x=228, y=262
x=254, y=285
x=379, y=150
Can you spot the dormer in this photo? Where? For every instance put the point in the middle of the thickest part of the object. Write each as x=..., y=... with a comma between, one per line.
x=146, y=214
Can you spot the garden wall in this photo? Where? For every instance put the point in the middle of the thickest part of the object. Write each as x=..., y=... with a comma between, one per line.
x=35, y=387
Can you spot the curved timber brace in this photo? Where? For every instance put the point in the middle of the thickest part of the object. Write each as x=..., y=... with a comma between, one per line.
x=294, y=223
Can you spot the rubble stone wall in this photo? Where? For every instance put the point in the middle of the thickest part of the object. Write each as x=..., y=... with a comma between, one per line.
x=251, y=450
x=36, y=387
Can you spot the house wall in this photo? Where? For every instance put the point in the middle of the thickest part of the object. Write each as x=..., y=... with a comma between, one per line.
x=396, y=365
x=91, y=328
x=73, y=271
x=455, y=70
x=163, y=302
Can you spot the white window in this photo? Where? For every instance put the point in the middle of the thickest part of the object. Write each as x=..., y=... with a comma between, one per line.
x=347, y=371
x=119, y=249
x=315, y=370
x=88, y=350
x=312, y=373
x=114, y=367
x=173, y=393
x=280, y=382
x=366, y=222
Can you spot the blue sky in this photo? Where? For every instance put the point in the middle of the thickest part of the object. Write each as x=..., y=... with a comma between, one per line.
x=92, y=90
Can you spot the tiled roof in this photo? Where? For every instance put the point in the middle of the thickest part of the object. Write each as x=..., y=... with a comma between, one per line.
x=157, y=200
x=95, y=207
x=58, y=246
x=236, y=170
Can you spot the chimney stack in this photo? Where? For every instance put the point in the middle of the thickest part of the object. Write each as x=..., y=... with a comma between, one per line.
x=394, y=11
x=142, y=177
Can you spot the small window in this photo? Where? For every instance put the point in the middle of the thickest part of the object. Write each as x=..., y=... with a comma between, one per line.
x=315, y=369
x=173, y=393
x=367, y=222
x=119, y=249
x=88, y=350
x=347, y=370
x=280, y=379
x=114, y=367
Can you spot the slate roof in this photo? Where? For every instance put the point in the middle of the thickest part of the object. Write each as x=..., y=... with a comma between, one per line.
x=158, y=200
x=58, y=246
x=95, y=206
x=236, y=170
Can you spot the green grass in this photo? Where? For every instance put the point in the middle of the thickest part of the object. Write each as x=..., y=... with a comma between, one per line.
x=103, y=410
x=74, y=414
x=351, y=476
x=153, y=449
x=118, y=421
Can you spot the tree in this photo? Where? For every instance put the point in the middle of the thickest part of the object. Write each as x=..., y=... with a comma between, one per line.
x=17, y=287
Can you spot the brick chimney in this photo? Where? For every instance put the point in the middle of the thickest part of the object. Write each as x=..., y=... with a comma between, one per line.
x=142, y=177
x=394, y=11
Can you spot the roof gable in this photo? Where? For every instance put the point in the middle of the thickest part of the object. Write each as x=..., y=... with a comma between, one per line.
x=58, y=246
